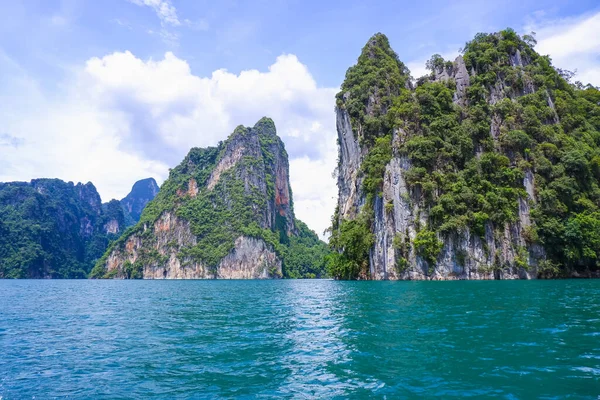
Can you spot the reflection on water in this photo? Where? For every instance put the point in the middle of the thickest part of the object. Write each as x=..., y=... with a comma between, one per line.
x=315, y=340
x=308, y=339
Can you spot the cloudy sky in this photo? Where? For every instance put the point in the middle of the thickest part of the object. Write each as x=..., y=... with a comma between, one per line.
x=114, y=91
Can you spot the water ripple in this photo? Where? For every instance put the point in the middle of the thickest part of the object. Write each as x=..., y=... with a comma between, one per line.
x=299, y=339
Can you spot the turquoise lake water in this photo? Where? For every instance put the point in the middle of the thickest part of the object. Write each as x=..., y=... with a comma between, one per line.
x=300, y=339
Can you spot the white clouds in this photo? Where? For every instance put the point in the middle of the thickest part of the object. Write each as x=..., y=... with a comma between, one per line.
x=167, y=13
x=314, y=189
x=572, y=43
x=199, y=25
x=123, y=118
x=163, y=9
x=121, y=23
x=417, y=67
x=71, y=139
x=12, y=141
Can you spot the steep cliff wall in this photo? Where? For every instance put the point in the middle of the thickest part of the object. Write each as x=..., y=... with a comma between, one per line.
x=225, y=212
x=453, y=178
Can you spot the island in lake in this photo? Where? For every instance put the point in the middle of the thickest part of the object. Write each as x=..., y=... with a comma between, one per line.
x=488, y=167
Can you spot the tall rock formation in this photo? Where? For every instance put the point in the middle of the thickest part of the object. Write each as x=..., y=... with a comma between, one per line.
x=487, y=168
x=224, y=212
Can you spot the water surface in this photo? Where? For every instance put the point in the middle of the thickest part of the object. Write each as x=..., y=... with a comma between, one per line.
x=301, y=339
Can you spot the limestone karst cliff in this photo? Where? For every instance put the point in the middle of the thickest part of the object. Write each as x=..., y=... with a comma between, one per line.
x=487, y=168
x=225, y=212
x=55, y=229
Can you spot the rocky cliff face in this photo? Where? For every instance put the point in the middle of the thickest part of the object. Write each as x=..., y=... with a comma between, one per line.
x=452, y=177
x=225, y=212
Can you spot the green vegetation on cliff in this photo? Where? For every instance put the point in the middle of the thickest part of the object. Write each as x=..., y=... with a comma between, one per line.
x=473, y=154
x=369, y=90
x=55, y=229
x=353, y=241
x=371, y=86
x=223, y=193
x=52, y=229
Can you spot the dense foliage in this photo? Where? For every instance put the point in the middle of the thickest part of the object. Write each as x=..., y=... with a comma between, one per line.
x=521, y=120
x=352, y=241
x=305, y=255
x=234, y=207
x=371, y=86
x=52, y=229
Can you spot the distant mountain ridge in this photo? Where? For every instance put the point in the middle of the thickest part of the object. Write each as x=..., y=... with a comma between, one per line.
x=55, y=229
x=141, y=193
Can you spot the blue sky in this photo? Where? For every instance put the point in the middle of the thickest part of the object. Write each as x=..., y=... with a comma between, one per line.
x=116, y=90
x=237, y=35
